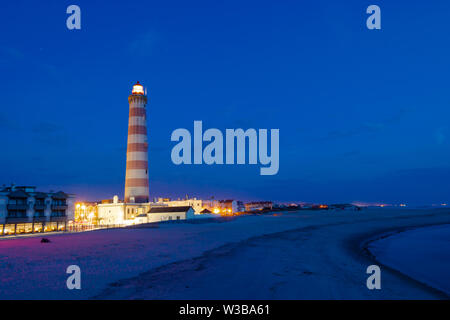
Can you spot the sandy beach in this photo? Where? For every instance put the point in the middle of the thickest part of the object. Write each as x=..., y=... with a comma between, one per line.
x=296, y=255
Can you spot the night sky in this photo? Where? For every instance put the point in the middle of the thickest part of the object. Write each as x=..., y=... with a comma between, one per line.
x=363, y=114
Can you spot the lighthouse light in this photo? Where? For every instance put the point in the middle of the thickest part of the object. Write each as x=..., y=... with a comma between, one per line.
x=138, y=89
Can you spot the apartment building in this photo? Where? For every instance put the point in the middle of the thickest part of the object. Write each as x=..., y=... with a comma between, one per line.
x=25, y=210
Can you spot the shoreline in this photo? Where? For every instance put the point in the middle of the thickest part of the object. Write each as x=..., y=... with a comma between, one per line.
x=365, y=244
x=317, y=276
x=293, y=256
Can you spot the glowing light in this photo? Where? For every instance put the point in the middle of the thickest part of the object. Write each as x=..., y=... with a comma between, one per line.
x=216, y=210
x=128, y=222
x=138, y=89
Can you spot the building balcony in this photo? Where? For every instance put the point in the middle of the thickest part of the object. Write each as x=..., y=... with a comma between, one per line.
x=58, y=219
x=39, y=218
x=22, y=207
x=17, y=220
x=59, y=207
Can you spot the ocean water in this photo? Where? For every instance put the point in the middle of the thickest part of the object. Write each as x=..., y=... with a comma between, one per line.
x=423, y=254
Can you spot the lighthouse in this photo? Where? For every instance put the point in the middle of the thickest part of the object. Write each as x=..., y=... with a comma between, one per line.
x=136, y=177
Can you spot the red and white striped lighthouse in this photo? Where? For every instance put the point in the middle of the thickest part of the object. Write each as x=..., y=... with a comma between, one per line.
x=136, y=178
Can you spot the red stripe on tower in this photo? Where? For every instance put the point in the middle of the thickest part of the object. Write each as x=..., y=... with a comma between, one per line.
x=137, y=182
x=137, y=147
x=136, y=177
x=137, y=164
x=137, y=112
x=136, y=129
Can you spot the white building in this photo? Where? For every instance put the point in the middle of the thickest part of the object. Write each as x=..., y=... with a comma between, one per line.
x=157, y=214
x=195, y=203
x=119, y=213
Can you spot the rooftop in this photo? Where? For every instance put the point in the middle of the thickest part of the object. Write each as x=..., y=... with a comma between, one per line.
x=26, y=191
x=169, y=209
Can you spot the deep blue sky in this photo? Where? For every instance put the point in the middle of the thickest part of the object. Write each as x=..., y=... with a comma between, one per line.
x=363, y=115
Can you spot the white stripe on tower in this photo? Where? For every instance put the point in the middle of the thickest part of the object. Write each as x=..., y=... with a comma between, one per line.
x=136, y=178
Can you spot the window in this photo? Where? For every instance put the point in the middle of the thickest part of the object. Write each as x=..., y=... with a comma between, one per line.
x=17, y=201
x=16, y=214
x=39, y=214
x=58, y=213
x=58, y=202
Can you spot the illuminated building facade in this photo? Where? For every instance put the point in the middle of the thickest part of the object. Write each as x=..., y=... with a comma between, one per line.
x=136, y=178
x=195, y=203
x=25, y=210
x=117, y=212
x=86, y=213
x=224, y=207
x=258, y=205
